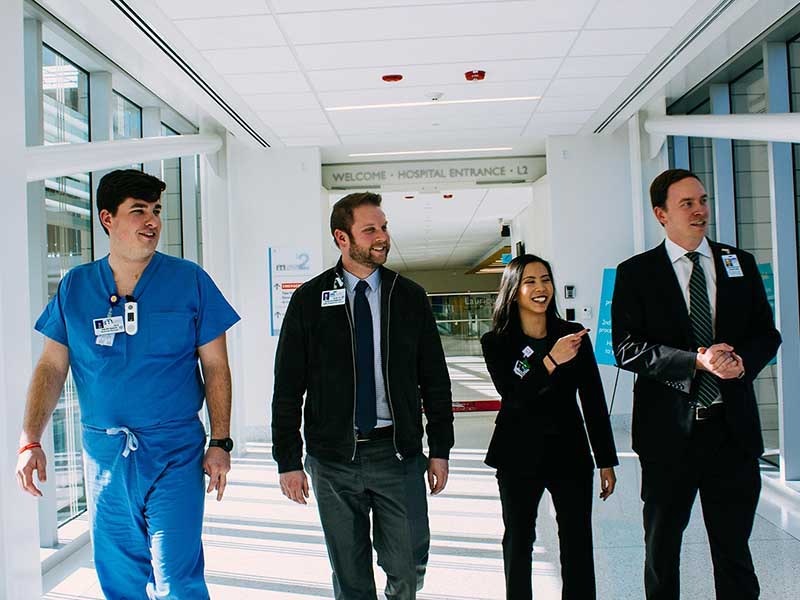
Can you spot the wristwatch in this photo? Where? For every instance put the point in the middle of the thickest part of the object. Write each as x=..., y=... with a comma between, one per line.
x=224, y=443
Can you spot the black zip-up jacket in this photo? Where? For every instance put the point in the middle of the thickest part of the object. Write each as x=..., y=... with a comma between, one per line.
x=315, y=356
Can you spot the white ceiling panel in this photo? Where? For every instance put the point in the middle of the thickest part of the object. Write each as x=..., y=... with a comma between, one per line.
x=611, y=14
x=435, y=75
x=570, y=103
x=290, y=6
x=293, y=130
x=465, y=91
x=311, y=141
x=232, y=32
x=295, y=117
x=433, y=51
x=600, y=66
x=276, y=102
x=192, y=9
x=437, y=113
x=251, y=60
x=593, y=86
x=434, y=21
x=617, y=41
x=268, y=83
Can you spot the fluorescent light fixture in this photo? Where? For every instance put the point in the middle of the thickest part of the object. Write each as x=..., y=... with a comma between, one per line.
x=440, y=151
x=432, y=103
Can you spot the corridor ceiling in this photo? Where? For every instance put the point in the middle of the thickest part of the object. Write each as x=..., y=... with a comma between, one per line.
x=292, y=61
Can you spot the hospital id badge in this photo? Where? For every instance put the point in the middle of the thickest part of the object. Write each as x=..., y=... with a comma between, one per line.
x=732, y=266
x=333, y=298
x=108, y=325
x=521, y=368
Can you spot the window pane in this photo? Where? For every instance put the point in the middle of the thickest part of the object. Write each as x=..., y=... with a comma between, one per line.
x=462, y=319
x=171, y=209
x=68, y=206
x=127, y=121
x=753, y=222
x=702, y=165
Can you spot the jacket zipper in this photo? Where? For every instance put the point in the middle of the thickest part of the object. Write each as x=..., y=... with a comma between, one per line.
x=386, y=371
x=353, y=354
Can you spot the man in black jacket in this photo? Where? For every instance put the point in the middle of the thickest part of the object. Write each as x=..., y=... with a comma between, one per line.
x=361, y=343
x=691, y=318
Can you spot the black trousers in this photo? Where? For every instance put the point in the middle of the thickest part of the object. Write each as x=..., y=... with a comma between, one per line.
x=729, y=484
x=572, y=497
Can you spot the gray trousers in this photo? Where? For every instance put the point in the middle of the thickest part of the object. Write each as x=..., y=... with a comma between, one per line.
x=394, y=491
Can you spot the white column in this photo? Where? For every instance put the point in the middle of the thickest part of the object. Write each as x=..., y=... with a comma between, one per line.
x=784, y=260
x=37, y=251
x=20, y=570
x=101, y=128
x=188, y=209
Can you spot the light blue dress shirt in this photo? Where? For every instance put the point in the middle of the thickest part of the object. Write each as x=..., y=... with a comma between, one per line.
x=373, y=293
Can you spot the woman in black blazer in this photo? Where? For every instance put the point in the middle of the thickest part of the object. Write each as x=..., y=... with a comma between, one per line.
x=538, y=362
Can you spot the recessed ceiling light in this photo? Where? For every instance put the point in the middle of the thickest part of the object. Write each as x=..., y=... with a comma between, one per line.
x=439, y=151
x=431, y=103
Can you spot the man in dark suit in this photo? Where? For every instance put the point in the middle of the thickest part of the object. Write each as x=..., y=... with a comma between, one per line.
x=691, y=318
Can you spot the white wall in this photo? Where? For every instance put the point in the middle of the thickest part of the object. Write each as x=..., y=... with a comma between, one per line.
x=275, y=201
x=533, y=226
x=591, y=225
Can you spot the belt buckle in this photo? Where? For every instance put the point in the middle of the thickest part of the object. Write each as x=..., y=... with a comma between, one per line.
x=700, y=413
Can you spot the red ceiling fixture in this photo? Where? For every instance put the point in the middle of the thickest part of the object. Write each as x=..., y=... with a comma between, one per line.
x=475, y=75
x=392, y=77
x=447, y=196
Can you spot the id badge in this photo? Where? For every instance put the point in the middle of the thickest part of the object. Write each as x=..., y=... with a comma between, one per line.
x=333, y=297
x=732, y=266
x=108, y=325
x=521, y=368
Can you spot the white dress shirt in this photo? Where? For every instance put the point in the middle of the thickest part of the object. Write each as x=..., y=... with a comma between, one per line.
x=683, y=271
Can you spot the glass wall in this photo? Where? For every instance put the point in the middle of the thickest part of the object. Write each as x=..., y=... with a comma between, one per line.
x=171, y=207
x=68, y=205
x=462, y=319
x=701, y=164
x=753, y=222
x=126, y=121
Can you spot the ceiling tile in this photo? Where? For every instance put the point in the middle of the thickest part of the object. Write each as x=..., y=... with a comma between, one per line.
x=433, y=75
x=266, y=83
x=594, y=86
x=613, y=14
x=290, y=6
x=232, y=32
x=188, y=9
x=569, y=103
x=310, y=141
x=599, y=66
x=275, y=102
x=432, y=51
x=435, y=21
x=251, y=60
x=295, y=117
x=617, y=41
x=465, y=91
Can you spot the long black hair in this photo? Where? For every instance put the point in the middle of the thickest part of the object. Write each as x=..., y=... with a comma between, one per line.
x=505, y=316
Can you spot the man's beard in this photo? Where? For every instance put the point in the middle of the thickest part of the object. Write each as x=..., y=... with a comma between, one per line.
x=363, y=256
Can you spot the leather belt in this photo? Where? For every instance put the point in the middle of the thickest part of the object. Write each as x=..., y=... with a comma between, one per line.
x=379, y=433
x=715, y=412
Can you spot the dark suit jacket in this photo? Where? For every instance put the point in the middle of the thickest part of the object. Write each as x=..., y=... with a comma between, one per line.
x=652, y=337
x=539, y=420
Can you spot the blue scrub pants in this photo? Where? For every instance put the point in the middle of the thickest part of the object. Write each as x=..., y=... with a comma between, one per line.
x=146, y=494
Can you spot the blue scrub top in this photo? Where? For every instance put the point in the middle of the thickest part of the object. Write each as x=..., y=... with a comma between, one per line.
x=144, y=379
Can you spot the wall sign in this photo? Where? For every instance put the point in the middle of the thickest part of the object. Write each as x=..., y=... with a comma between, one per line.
x=604, y=347
x=289, y=268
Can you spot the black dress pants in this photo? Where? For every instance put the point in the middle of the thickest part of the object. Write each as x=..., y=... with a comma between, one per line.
x=572, y=497
x=729, y=484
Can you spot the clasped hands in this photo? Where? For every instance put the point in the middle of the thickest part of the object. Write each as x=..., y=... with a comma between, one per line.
x=720, y=360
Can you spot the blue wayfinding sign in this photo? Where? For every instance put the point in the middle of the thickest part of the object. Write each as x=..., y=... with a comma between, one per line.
x=603, y=347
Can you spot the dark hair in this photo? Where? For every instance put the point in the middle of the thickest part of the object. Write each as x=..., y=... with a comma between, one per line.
x=505, y=315
x=117, y=186
x=342, y=213
x=660, y=185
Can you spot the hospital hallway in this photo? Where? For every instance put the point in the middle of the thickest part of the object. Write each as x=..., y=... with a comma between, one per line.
x=260, y=546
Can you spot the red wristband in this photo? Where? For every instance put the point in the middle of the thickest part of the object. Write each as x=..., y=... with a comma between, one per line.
x=30, y=446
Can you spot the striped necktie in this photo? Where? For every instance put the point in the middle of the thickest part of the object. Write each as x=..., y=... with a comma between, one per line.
x=706, y=389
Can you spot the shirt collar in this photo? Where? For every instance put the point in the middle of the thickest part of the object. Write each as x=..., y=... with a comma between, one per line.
x=676, y=252
x=373, y=281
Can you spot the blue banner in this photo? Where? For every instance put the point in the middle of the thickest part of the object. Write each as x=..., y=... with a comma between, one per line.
x=769, y=286
x=603, y=346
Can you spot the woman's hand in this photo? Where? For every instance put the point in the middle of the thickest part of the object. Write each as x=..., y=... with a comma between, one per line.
x=566, y=348
x=608, y=481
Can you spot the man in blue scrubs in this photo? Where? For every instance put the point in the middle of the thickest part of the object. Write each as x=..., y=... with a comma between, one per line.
x=132, y=326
